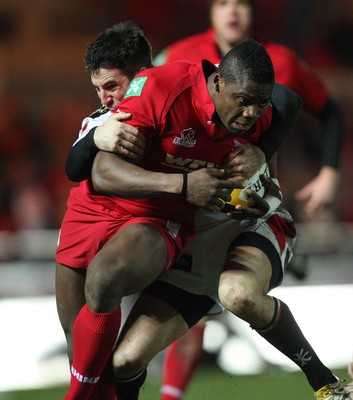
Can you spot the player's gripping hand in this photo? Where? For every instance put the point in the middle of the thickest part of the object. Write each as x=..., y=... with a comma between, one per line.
x=116, y=137
x=261, y=206
x=243, y=162
x=204, y=188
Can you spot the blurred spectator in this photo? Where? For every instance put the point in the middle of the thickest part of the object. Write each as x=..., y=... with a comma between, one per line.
x=24, y=200
x=232, y=21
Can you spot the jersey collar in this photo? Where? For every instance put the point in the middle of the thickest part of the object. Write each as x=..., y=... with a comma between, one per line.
x=201, y=97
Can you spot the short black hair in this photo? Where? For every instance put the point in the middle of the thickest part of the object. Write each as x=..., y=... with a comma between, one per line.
x=248, y=60
x=122, y=46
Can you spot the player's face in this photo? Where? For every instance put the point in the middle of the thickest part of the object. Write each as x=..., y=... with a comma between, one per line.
x=240, y=105
x=232, y=21
x=111, y=85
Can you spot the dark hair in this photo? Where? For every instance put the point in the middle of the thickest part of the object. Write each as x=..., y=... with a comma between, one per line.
x=122, y=46
x=248, y=60
x=252, y=3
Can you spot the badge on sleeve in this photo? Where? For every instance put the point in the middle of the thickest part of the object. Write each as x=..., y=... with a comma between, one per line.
x=136, y=86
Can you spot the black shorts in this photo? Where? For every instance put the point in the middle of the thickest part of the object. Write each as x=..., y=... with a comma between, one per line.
x=255, y=240
x=192, y=307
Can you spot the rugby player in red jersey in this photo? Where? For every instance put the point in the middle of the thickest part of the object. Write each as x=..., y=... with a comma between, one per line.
x=112, y=61
x=160, y=226
x=231, y=23
x=236, y=124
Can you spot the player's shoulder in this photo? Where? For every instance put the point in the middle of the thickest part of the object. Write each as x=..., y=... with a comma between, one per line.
x=96, y=118
x=161, y=79
x=99, y=112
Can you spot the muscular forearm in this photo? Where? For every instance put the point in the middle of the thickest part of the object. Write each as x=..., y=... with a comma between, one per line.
x=80, y=159
x=286, y=106
x=114, y=176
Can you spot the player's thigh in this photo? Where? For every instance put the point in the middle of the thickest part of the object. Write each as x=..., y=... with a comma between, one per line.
x=152, y=325
x=129, y=261
x=246, y=273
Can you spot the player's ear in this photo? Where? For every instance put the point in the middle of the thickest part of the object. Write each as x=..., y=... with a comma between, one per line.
x=216, y=81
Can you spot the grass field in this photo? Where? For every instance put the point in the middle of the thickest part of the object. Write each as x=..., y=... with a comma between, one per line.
x=210, y=383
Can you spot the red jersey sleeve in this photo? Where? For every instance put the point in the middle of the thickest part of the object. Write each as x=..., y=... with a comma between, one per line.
x=145, y=108
x=149, y=95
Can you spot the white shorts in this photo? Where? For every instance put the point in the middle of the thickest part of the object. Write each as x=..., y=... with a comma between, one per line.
x=199, y=269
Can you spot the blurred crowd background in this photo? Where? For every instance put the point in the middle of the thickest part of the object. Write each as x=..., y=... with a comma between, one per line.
x=45, y=93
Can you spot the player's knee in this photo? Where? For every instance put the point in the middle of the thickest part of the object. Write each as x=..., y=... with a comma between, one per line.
x=105, y=286
x=127, y=364
x=239, y=301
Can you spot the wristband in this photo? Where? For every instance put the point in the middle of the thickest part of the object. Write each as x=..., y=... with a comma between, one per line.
x=184, y=188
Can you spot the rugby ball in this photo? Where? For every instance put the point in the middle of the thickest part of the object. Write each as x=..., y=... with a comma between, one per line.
x=241, y=197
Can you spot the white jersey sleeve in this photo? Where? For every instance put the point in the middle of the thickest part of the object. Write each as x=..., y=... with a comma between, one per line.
x=97, y=118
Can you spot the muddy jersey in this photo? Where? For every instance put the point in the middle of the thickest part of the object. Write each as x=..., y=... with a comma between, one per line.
x=172, y=107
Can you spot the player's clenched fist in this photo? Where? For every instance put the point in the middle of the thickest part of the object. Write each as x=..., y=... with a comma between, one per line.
x=204, y=187
x=243, y=162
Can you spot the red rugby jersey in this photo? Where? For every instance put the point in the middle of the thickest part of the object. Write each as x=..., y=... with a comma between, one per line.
x=172, y=107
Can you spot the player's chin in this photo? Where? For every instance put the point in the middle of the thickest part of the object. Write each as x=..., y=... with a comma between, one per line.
x=238, y=129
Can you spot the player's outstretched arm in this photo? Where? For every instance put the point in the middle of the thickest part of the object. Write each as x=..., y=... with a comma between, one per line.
x=320, y=192
x=113, y=136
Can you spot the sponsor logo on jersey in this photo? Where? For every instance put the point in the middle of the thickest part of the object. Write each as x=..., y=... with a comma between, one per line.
x=186, y=138
x=136, y=86
x=186, y=163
